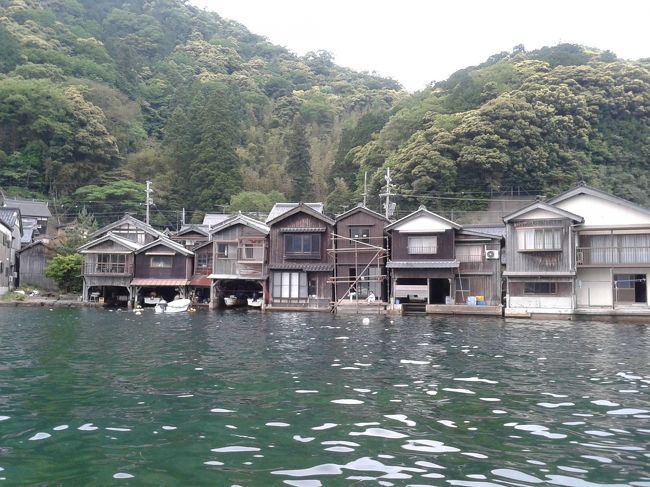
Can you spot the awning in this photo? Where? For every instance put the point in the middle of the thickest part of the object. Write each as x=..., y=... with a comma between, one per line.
x=423, y=264
x=200, y=281
x=299, y=266
x=159, y=282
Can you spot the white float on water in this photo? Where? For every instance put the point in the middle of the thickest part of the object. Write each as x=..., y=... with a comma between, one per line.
x=366, y=321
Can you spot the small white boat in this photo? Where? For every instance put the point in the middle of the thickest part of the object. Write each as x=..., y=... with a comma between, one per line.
x=151, y=300
x=231, y=300
x=255, y=302
x=176, y=306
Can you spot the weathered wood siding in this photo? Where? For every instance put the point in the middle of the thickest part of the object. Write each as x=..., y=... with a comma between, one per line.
x=543, y=261
x=299, y=220
x=181, y=266
x=445, y=246
x=33, y=262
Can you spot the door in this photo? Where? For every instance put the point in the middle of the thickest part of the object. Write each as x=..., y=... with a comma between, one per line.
x=438, y=291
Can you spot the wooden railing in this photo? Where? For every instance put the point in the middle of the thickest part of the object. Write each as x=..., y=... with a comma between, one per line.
x=98, y=268
x=612, y=255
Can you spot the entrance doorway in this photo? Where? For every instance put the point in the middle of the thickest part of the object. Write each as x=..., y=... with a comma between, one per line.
x=438, y=291
x=630, y=288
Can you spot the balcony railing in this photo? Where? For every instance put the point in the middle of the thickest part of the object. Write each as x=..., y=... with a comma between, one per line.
x=248, y=270
x=98, y=268
x=612, y=255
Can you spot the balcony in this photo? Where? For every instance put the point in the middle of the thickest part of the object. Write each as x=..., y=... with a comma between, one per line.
x=612, y=256
x=240, y=269
x=101, y=269
x=475, y=263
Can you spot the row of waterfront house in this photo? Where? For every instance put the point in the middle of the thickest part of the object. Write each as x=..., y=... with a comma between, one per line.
x=583, y=252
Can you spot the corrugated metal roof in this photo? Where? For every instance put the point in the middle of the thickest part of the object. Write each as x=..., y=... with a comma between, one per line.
x=211, y=219
x=495, y=230
x=290, y=266
x=33, y=208
x=281, y=208
x=423, y=264
x=158, y=282
x=201, y=281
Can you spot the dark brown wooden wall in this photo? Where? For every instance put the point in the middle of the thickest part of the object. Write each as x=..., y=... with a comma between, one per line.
x=299, y=220
x=399, y=246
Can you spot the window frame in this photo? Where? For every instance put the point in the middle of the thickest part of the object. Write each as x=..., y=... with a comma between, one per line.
x=422, y=249
x=362, y=230
x=302, y=245
x=524, y=237
x=166, y=260
x=552, y=288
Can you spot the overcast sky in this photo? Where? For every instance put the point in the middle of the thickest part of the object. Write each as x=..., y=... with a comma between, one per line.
x=419, y=41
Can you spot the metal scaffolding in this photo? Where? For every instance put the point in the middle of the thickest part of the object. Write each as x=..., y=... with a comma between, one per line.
x=371, y=255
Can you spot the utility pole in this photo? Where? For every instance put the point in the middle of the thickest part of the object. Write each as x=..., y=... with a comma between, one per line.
x=388, y=192
x=149, y=200
x=365, y=188
x=183, y=219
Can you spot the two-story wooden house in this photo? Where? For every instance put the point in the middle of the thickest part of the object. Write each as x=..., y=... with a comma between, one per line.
x=613, y=250
x=107, y=269
x=540, y=260
x=191, y=235
x=360, y=247
x=200, y=283
x=300, y=264
x=239, y=259
x=109, y=259
x=163, y=269
x=422, y=260
x=478, y=277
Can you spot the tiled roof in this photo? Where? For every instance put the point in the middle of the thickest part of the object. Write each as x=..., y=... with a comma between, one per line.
x=9, y=216
x=281, y=208
x=33, y=208
x=138, y=281
x=290, y=266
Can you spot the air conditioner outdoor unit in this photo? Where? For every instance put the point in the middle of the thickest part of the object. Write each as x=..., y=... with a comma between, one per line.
x=491, y=254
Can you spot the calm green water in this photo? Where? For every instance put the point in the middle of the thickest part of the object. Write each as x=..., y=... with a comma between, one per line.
x=109, y=398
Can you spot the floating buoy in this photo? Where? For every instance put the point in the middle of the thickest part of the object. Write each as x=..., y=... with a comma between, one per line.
x=366, y=321
x=138, y=313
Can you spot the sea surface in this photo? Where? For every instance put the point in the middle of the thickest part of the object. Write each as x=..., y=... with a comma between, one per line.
x=98, y=397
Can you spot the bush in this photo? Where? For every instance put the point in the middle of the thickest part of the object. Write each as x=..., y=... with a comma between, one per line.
x=66, y=272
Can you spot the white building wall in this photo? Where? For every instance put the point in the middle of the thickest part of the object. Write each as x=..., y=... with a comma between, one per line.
x=599, y=212
x=594, y=287
x=541, y=304
x=7, y=259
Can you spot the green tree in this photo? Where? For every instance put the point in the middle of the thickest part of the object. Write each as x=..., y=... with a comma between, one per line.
x=254, y=201
x=66, y=272
x=299, y=160
x=77, y=233
x=340, y=199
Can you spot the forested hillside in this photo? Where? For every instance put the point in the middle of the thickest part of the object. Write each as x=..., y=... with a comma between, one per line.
x=98, y=97
x=539, y=121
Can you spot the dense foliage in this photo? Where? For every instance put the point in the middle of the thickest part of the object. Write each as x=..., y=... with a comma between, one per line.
x=98, y=97
x=66, y=272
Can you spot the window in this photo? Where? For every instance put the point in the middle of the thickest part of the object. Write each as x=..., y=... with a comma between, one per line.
x=362, y=234
x=111, y=263
x=161, y=261
x=289, y=284
x=624, y=281
x=249, y=253
x=462, y=284
x=539, y=239
x=204, y=260
x=306, y=245
x=469, y=253
x=540, y=288
x=423, y=245
x=222, y=250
